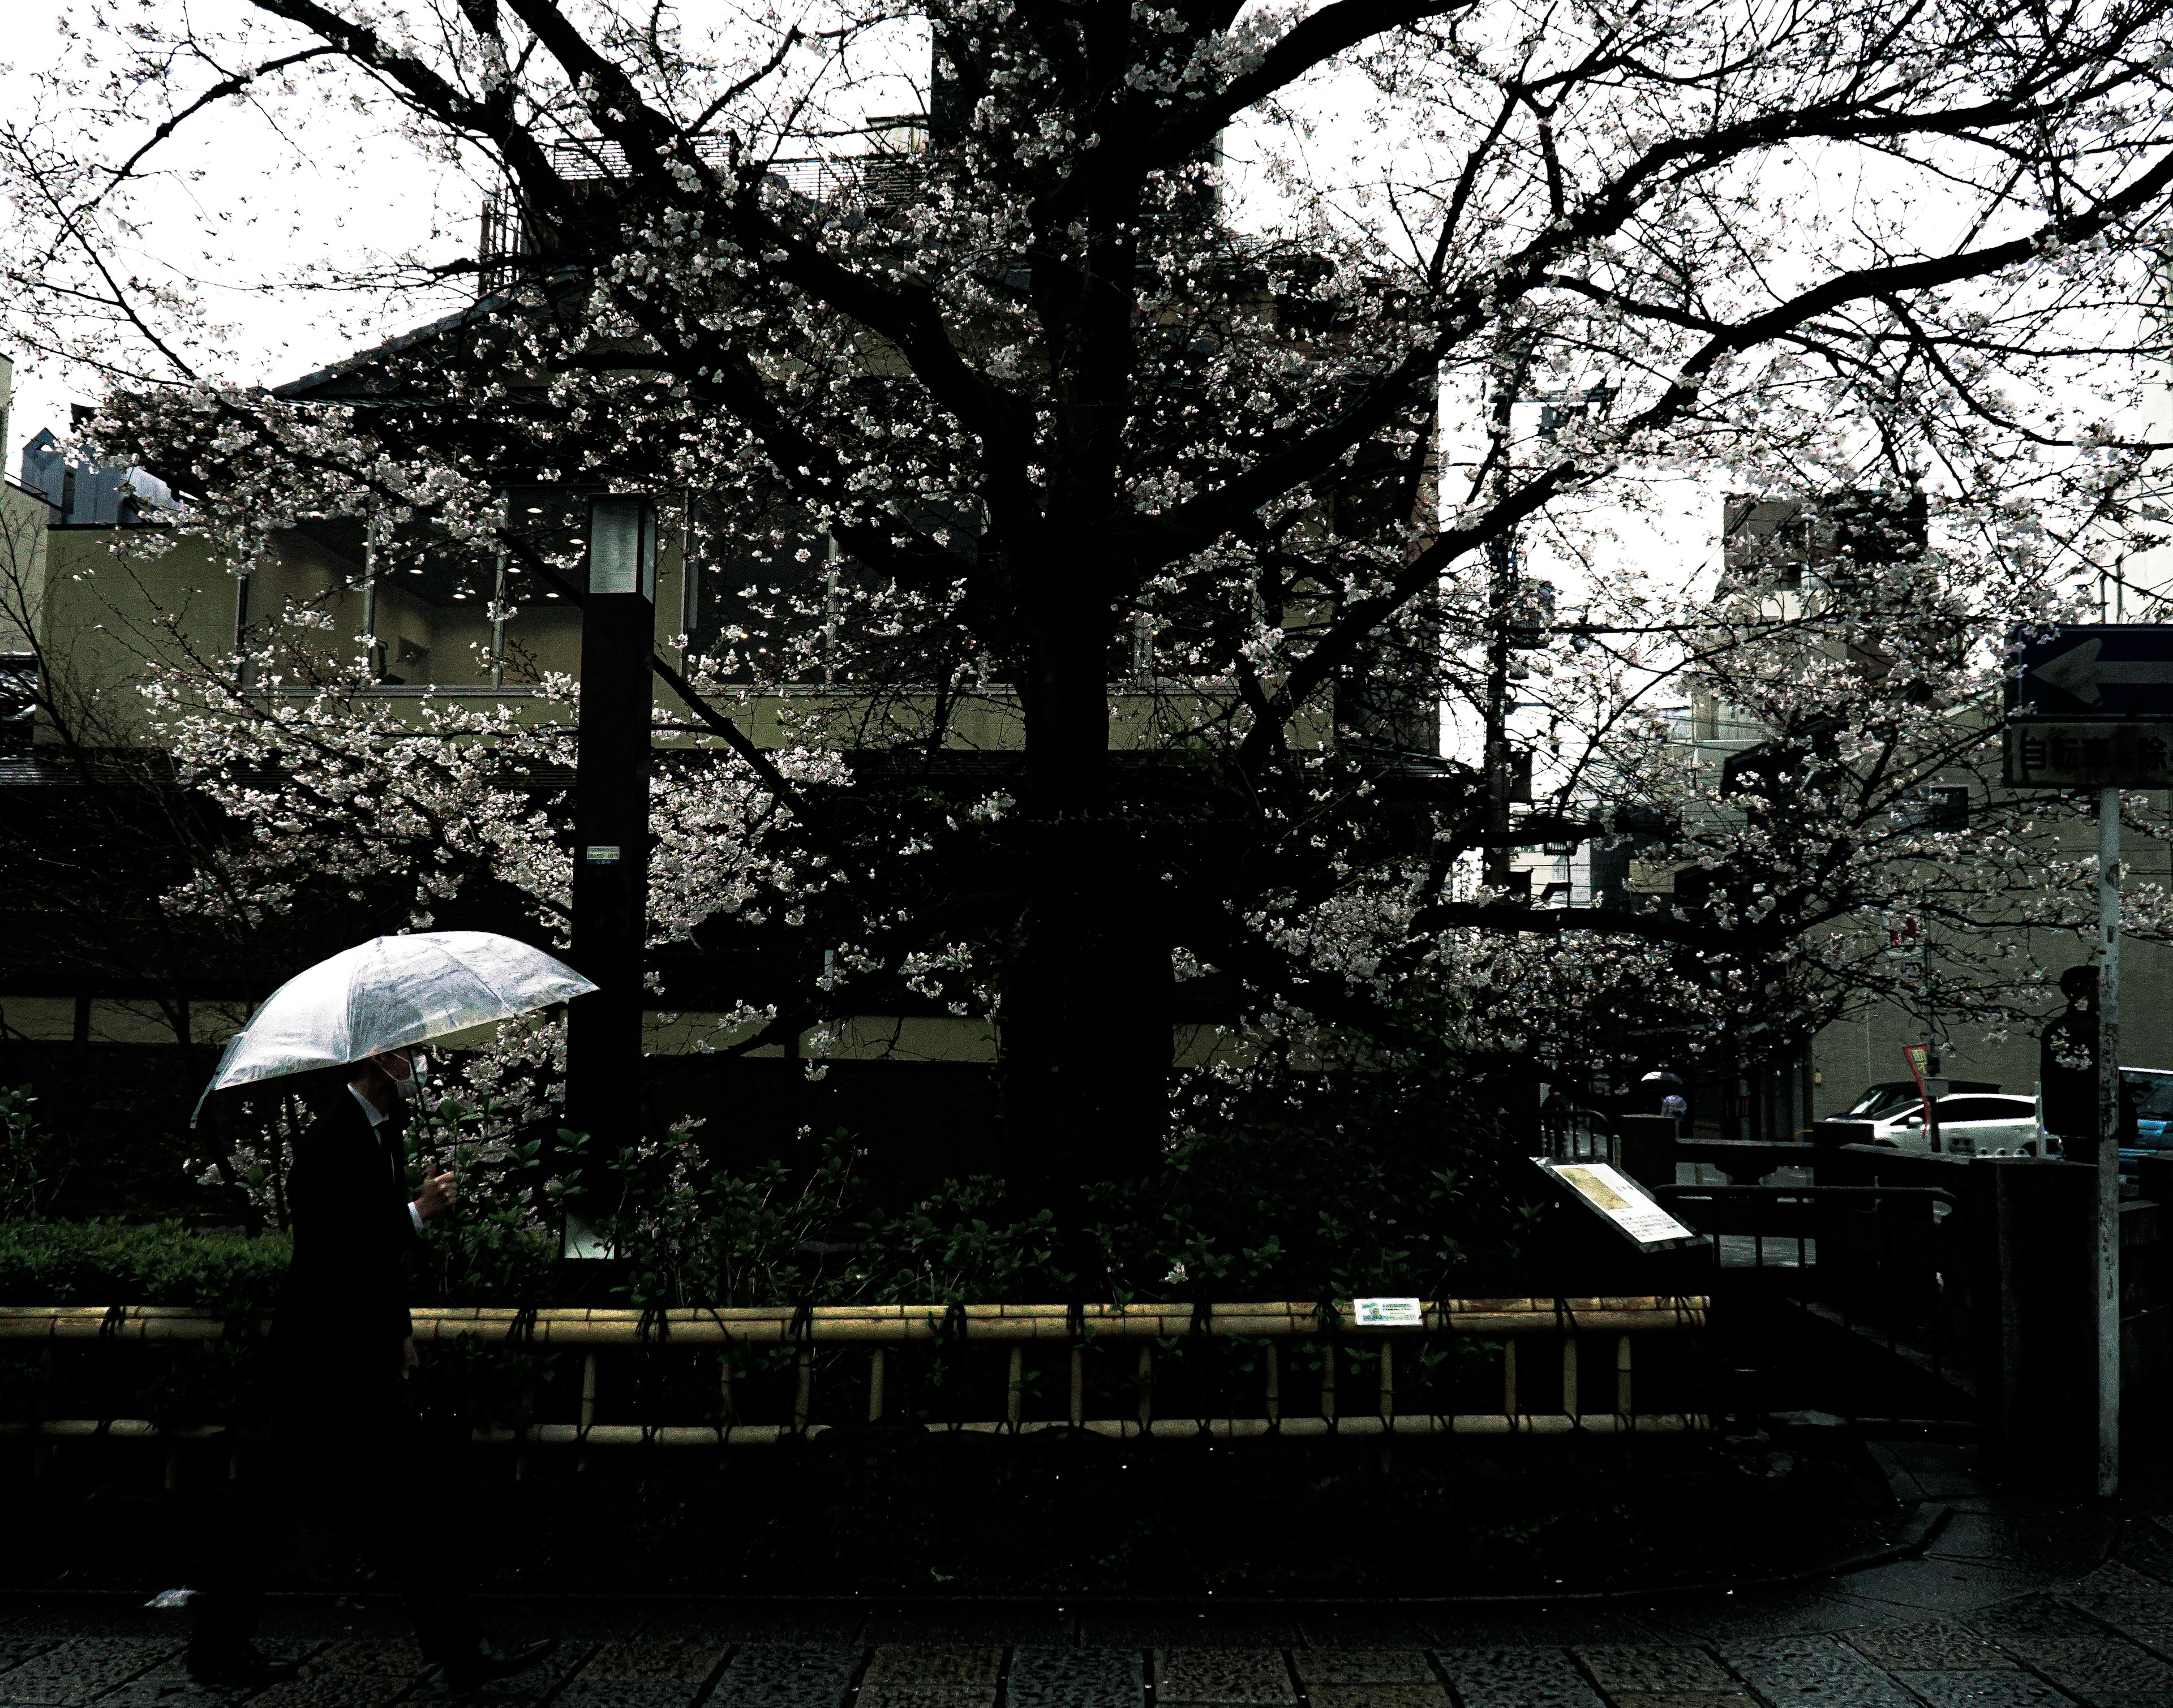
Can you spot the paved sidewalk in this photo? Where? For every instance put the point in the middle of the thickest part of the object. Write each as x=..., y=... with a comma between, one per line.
x=2018, y=1601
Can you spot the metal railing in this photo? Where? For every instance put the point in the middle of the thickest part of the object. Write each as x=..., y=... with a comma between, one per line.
x=1556, y=1367
x=1579, y=1135
x=1886, y=1265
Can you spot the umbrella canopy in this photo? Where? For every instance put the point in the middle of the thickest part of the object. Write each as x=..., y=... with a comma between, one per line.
x=389, y=992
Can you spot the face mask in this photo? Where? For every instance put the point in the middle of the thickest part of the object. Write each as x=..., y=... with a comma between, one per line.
x=410, y=1088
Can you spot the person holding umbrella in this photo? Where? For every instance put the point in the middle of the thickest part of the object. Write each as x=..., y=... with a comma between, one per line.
x=343, y=1034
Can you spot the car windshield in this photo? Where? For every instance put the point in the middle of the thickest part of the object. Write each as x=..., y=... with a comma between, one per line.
x=2156, y=1090
x=1879, y=1099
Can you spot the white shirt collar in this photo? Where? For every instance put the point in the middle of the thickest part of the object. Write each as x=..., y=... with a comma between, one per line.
x=377, y=1117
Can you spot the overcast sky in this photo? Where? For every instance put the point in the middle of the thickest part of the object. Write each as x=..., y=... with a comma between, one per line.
x=261, y=205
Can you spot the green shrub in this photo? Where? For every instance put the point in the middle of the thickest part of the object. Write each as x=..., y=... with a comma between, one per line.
x=45, y=1262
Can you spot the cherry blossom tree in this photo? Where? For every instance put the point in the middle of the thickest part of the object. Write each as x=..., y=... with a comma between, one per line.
x=1205, y=397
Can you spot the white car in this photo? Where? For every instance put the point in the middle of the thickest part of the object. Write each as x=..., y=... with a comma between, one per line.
x=1971, y=1123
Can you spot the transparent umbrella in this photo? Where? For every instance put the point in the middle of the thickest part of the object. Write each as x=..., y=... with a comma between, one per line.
x=390, y=992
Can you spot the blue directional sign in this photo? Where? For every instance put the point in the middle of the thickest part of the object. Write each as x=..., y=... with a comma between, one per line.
x=2112, y=670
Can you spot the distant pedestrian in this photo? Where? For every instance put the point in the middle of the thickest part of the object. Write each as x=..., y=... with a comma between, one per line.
x=341, y=1455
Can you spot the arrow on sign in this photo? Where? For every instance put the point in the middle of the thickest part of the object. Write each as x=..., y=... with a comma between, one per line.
x=2079, y=672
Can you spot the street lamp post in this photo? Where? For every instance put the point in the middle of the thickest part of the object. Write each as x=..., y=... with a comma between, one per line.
x=610, y=829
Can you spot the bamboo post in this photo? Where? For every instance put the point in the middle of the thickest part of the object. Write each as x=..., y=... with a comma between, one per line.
x=725, y=1384
x=173, y=1468
x=1387, y=1381
x=1014, y=1401
x=588, y=1405
x=1569, y=1377
x=876, y=1385
x=1622, y=1375
x=1078, y=1384
x=1509, y=1381
x=1146, y=1386
x=804, y=1395
x=1275, y=1406
x=1327, y=1380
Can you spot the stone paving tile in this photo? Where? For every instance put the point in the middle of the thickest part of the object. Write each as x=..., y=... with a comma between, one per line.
x=1937, y=1645
x=1515, y=1679
x=2139, y=1608
x=2092, y=1667
x=1221, y=1675
x=639, y=1660
x=2116, y=1591
x=934, y=1663
x=1818, y=1672
x=2032, y=1616
x=1979, y=1688
x=908, y=1692
x=382, y=1658
x=334, y=1690
x=2154, y=1633
x=1677, y=1699
x=626, y=1693
x=174, y=1690
x=1043, y=1676
x=531, y=1684
x=786, y=1675
x=14, y=1650
x=1652, y=1669
x=73, y=1673
x=168, y=1685
x=1377, y=1695
x=1363, y=1666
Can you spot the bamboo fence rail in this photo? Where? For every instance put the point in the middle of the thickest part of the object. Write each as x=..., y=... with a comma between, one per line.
x=879, y=1328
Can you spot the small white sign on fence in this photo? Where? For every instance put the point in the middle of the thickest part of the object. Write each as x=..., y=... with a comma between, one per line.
x=1390, y=1313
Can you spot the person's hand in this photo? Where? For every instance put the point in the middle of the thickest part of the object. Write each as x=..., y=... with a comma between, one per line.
x=436, y=1197
x=408, y=1360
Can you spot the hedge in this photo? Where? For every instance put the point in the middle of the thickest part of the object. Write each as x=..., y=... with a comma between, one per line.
x=45, y=1262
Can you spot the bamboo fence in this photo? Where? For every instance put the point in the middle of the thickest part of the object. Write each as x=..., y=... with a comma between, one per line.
x=879, y=1328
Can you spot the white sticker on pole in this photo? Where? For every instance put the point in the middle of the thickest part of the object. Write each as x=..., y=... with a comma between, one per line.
x=1626, y=1206
x=1390, y=1313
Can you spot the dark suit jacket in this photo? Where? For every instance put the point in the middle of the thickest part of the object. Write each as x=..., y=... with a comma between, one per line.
x=346, y=1296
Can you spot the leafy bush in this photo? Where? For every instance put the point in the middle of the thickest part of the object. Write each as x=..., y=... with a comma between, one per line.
x=45, y=1262
x=67, y=1262
x=19, y=1179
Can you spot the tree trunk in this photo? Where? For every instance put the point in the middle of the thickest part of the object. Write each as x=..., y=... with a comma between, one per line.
x=1087, y=1002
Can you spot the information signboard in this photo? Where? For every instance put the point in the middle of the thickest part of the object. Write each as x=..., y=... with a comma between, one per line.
x=1390, y=1313
x=1625, y=1206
